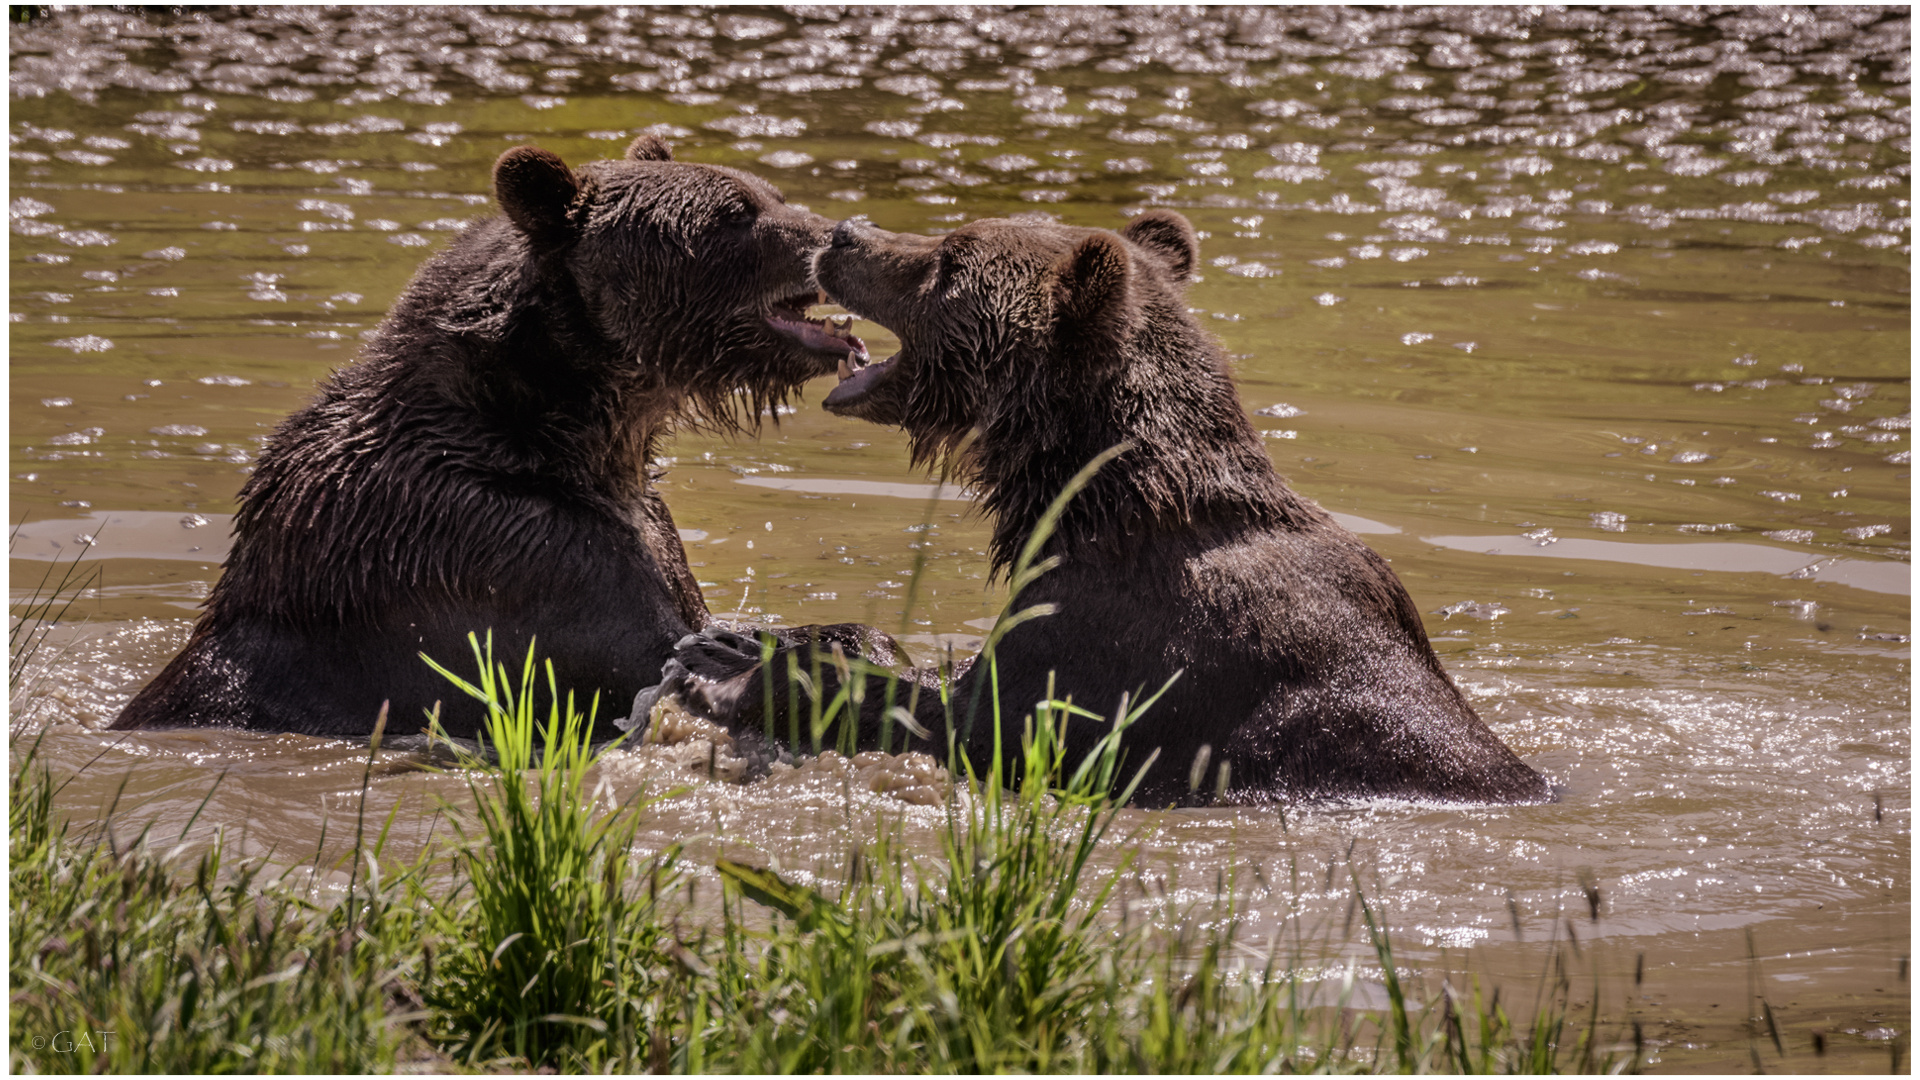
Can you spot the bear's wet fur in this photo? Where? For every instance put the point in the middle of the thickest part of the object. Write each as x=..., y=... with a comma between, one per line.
x=1026, y=351
x=484, y=465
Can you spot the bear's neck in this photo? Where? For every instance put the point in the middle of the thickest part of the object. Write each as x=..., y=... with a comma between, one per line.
x=1195, y=467
x=512, y=346
x=573, y=398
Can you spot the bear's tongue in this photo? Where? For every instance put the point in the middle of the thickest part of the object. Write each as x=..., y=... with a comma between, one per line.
x=832, y=335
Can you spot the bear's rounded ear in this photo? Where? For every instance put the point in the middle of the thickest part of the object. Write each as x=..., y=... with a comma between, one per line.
x=535, y=188
x=1090, y=303
x=649, y=147
x=1170, y=236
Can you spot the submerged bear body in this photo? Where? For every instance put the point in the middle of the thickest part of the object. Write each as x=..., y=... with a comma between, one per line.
x=1316, y=695
x=1028, y=350
x=484, y=465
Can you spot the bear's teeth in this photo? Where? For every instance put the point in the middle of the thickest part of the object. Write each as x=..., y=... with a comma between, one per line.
x=850, y=364
x=840, y=323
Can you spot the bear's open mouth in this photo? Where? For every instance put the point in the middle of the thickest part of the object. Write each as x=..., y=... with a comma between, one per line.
x=833, y=334
x=858, y=377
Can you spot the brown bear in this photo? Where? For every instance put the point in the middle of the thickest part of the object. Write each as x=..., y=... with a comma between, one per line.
x=1026, y=350
x=484, y=465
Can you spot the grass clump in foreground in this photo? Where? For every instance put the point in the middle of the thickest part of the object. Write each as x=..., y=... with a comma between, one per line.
x=131, y=956
x=554, y=951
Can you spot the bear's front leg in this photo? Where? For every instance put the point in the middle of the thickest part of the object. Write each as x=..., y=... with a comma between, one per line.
x=721, y=675
x=709, y=673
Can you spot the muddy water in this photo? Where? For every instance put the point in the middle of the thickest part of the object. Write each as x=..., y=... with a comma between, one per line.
x=1595, y=323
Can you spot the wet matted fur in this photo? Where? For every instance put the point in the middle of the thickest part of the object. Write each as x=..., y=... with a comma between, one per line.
x=484, y=464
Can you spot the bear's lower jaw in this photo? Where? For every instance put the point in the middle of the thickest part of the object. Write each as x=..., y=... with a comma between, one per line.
x=858, y=381
x=833, y=336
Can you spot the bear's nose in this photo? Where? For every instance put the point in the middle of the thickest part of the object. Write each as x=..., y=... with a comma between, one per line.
x=846, y=234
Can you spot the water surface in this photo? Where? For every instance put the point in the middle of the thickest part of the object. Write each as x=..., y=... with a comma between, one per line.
x=1595, y=323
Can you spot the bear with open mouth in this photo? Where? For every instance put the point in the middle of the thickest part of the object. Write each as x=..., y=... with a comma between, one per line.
x=1026, y=350
x=485, y=465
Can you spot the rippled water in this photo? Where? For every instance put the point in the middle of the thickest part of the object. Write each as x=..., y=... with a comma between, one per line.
x=1595, y=322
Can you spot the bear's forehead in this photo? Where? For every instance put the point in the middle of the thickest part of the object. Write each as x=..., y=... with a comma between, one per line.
x=689, y=179
x=1002, y=235
x=1012, y=243
x=751, y=183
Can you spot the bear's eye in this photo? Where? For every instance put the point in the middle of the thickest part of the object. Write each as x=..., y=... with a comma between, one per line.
x=736, y=214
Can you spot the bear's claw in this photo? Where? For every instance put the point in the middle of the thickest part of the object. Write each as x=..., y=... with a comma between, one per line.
x=673, y=682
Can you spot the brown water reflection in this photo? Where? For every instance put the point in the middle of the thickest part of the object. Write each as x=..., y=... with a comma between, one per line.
x=1595, y=322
